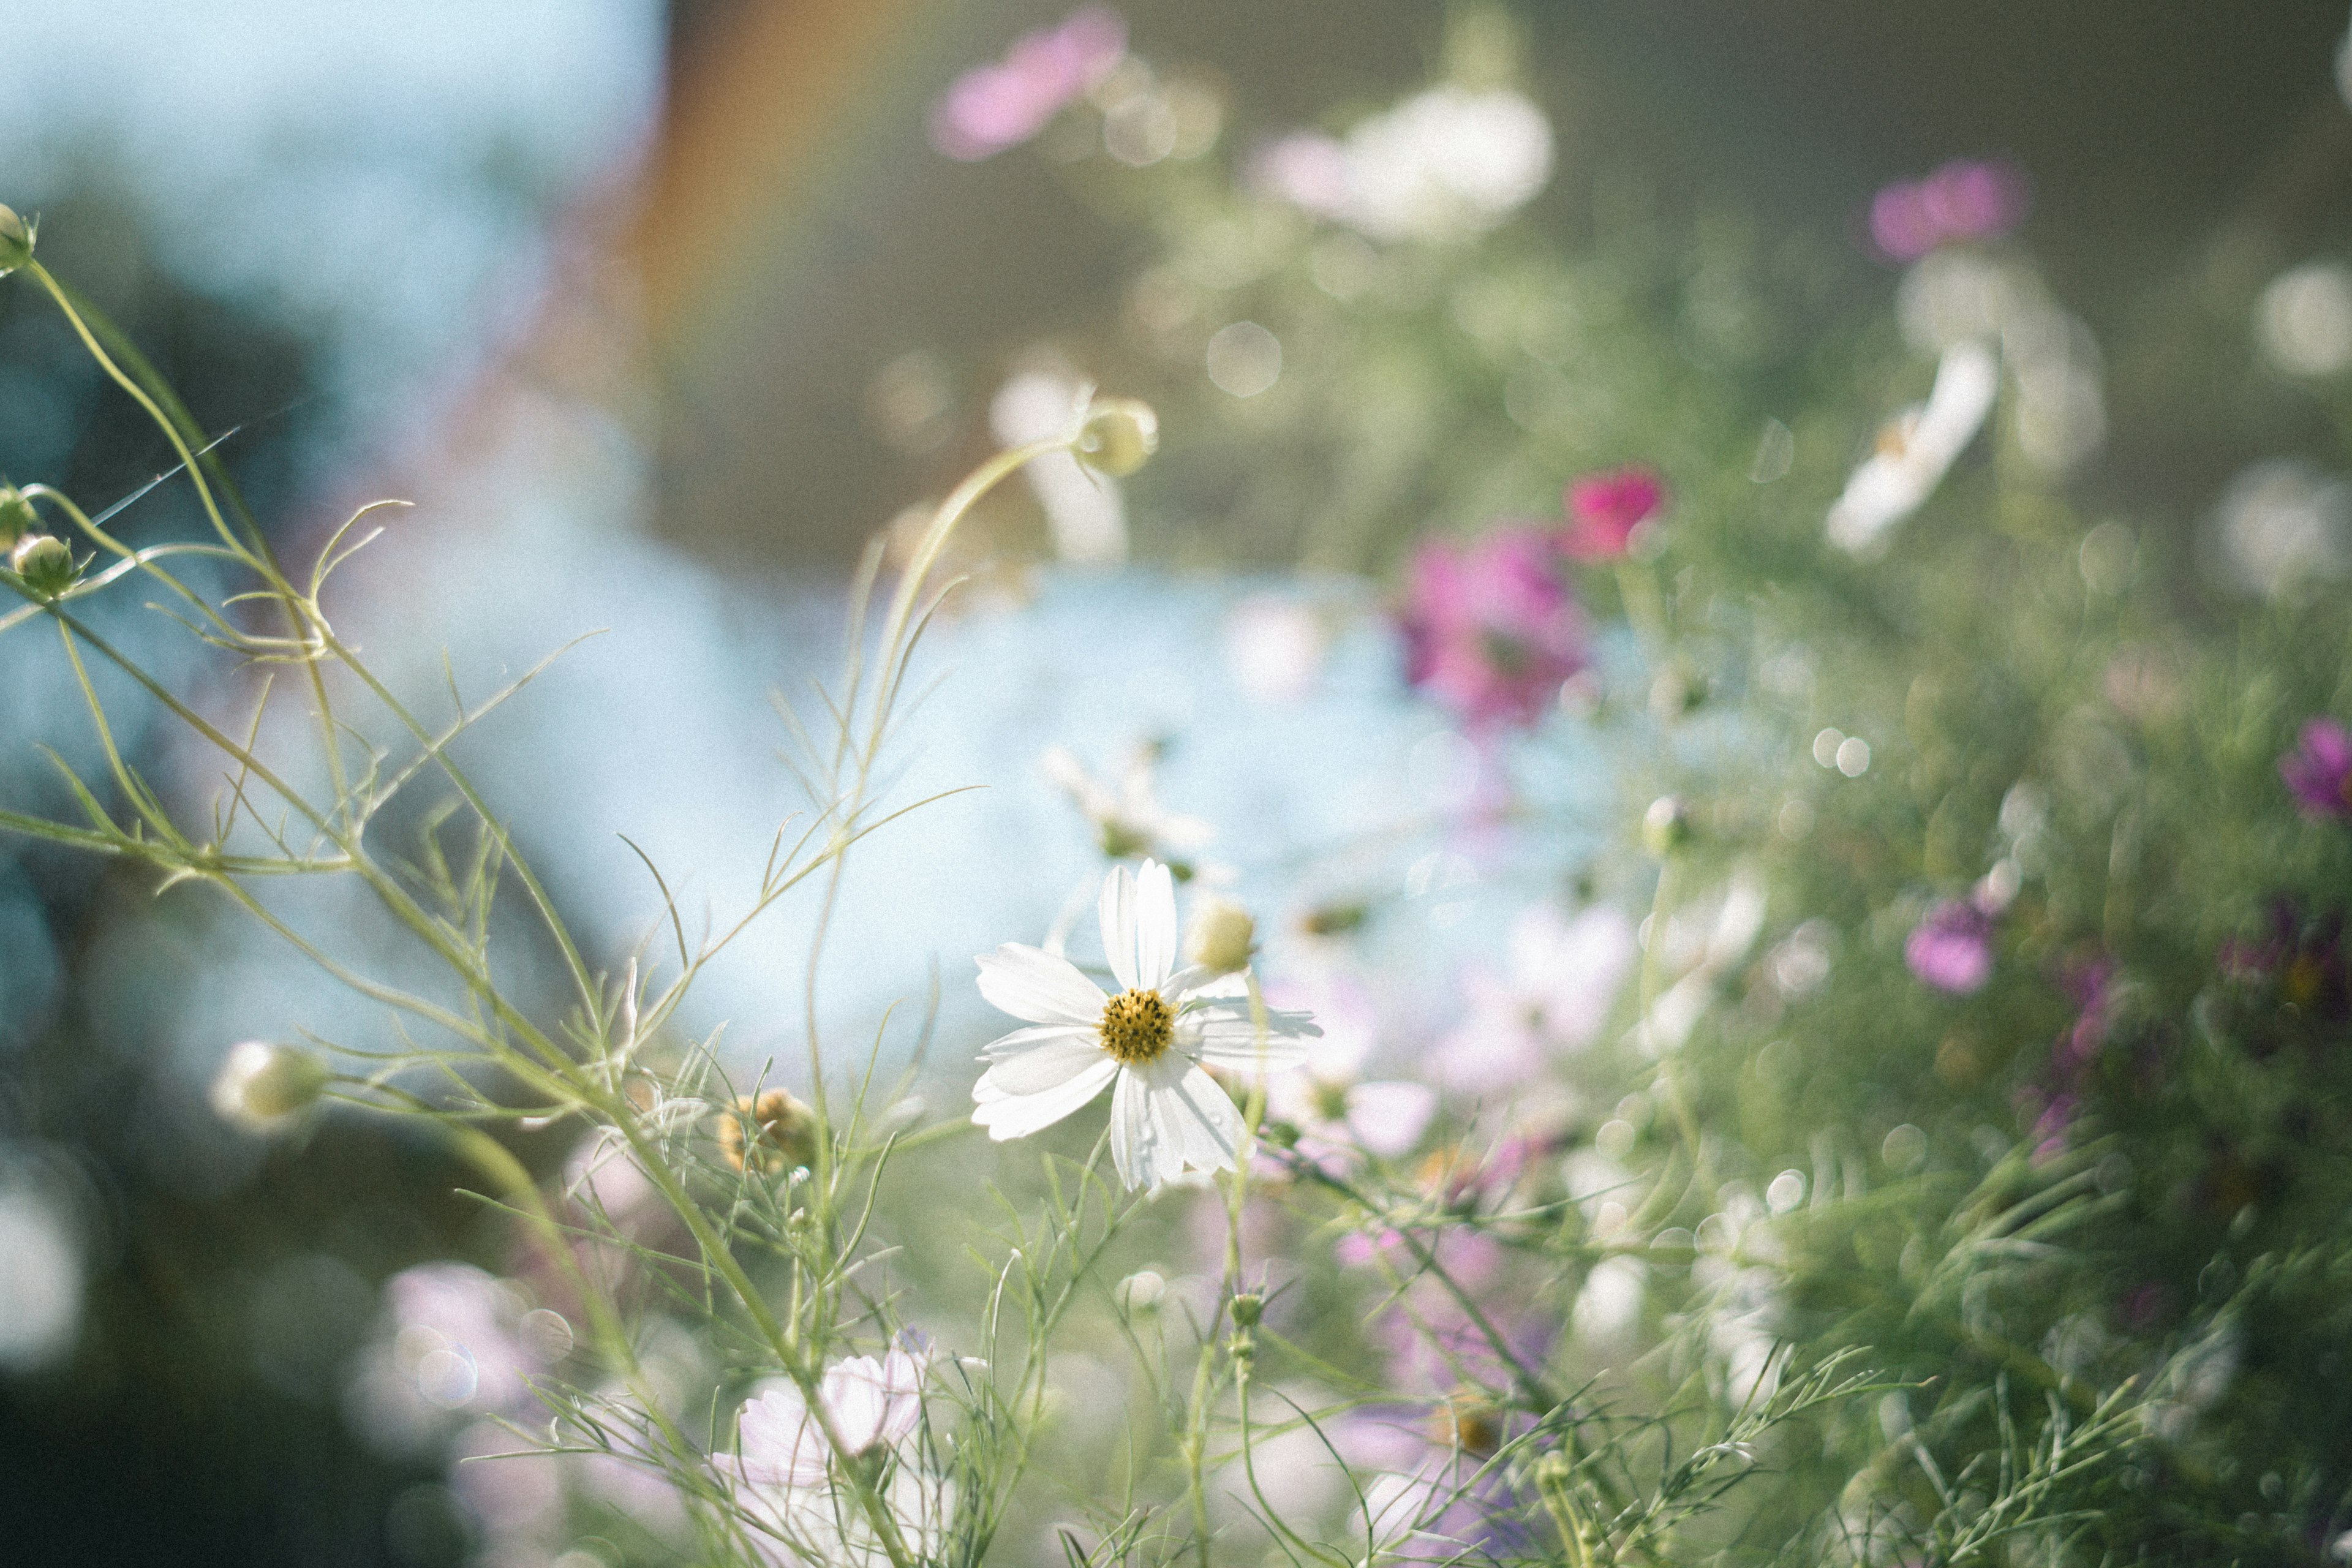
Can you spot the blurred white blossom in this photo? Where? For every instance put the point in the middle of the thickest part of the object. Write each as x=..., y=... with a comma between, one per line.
x=1446, y=164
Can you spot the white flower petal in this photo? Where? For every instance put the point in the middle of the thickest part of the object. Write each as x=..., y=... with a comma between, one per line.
x=1019, y=1040
x=1117, y=911
x=855, y=1398
x=1134, y=1142
x=782, y=1445
x=1155, y=927
x=1020, y=1115
x=1034, y=985
x=1224, y=1020
x=1197, y=1117
x=1245, y=1053
x=1192, y=979
x=1038, y=1068
x=902, y=1384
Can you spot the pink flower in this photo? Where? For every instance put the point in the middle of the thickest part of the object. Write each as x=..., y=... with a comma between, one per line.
x=1966, y=199
x=1492, y=630
x=993, y=107
x=1605, y=509
x=1564, y=976
x=1951, y=950
x=2319, y=770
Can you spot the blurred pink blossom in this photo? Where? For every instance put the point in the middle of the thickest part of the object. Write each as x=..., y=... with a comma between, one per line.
x=2319, y=770
x=1563, y=978
x=993, y=107
x=1966, y=199
x=1605, y=509
x=1951, y=950
x=1491, y=628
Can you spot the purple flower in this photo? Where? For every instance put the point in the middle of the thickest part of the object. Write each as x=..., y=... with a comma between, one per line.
x=1605, y=509
x=1967, y=199
x=1951, y=950
x=2319, y=770
x=993, y=107
x=1492, y=630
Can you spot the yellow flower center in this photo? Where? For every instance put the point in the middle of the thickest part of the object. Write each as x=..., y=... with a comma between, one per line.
x=1138, y=1026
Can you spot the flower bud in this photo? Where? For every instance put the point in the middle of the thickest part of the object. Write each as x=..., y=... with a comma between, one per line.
x=262, y=1085
x=1140, y=1291
x=1248, y=1307
x=15, y=240
x=44, y=563
x=1223, y=936
x=1666, y=826
x=1119, y=436
x=771, y=1132
x=17, y=517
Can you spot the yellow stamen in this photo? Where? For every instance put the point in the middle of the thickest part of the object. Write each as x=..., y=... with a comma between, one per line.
x=1138, y=1026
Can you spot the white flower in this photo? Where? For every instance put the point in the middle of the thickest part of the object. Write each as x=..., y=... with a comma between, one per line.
x=1443, y=164
x=1146, y=1043
x=1127, y=815
x=782, y=1472
x=1334, y=1110
x=873, y=1405
x=1915, y=449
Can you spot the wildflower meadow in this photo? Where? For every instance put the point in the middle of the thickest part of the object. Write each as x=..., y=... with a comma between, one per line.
x=1704, y=944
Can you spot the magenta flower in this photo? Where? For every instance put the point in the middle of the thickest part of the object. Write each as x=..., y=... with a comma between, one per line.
x=1951, y=950
x=1605, y=509
x=2319, y=770
x=1967, y=199
x=1492, y=630
x=993, y=107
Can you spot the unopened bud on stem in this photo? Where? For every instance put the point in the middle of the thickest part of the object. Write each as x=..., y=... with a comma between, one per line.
x=771, y=1132
x=1223, y=936
x=15, y=240
x=44, y=563
x=1667, y=825
x=1119, y=436
x=262, y=1085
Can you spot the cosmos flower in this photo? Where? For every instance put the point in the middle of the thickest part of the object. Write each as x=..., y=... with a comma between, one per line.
x=873, y=1405
x=2319, y=770
x=1967, y=199
x=1126, y=812
x=1916, y=448
x=1491, y=629
x=1605, y=509
x=1564, y=975
x=1147, y=1044
x=1336, y=1112
x=1002, y=104
x=1951, y=950
x=1446, y=163
x=782, y=1474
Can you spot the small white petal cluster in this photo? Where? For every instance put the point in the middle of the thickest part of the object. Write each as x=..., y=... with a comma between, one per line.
x=1447, y=163
x=1166, y=1114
